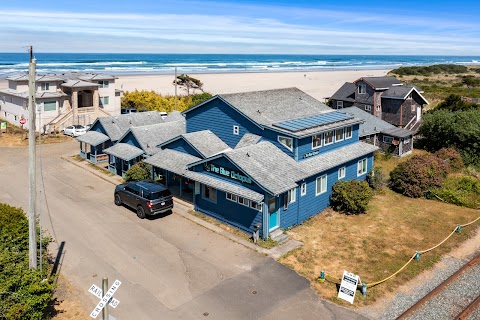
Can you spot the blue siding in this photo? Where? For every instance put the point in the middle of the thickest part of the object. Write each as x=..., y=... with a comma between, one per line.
x=272, y=136
x=220, y=118
x=98, y=128
x=305, y=144
x=131, y=140
x=181, y=145
x=230, y=212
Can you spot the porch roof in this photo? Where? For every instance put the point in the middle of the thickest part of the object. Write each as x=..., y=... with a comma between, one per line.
x=80, y=84
x=124, y=151
x=93, y=138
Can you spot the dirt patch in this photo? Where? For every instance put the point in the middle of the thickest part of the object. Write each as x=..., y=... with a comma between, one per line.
x=18, y=139
x=67, y=305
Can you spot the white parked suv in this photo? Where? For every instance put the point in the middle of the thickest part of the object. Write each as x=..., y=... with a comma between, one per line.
x=75, y=130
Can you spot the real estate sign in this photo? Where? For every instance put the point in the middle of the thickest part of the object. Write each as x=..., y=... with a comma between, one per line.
x=348, y=286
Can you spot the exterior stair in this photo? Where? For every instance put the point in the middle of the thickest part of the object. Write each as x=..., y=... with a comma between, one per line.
x=278, y=236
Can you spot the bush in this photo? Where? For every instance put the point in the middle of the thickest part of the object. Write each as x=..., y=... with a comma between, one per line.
x=351, y=197
x=414, y=177
x=376, y=179
x=461, y=191
x=452, y=157
x=151, y=101
x=139, y=171
x=23, y=294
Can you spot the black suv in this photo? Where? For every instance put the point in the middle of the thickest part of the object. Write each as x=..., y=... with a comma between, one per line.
x=147, y=197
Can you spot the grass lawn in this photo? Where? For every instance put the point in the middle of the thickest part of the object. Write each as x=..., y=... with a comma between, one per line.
x=376, y=244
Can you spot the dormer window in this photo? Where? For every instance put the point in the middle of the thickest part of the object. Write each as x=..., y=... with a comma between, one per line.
x=339, y=104
x=362, y=88
x=103, y=83
x=286, y=142
x=45, y=86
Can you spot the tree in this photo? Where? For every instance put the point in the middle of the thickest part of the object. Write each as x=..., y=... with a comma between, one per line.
x=351, y=197
x=139, y=171
x=152, y=101
x=184, y=80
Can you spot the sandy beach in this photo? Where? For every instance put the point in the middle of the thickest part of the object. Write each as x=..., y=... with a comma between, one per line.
x=317, y=84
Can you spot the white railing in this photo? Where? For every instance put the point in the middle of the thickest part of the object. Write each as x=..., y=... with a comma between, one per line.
x=410, y=123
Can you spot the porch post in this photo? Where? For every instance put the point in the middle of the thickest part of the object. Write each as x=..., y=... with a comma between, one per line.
x=96, y=102
x=152, y=173
x=266, y=217
x=181, y=179
x=75, y=105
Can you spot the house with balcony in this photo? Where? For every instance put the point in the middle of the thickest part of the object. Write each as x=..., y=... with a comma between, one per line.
x=384, y=97
x=61, y=99
x=264, y=159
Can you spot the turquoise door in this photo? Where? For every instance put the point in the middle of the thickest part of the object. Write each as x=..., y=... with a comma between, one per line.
x=272, y=209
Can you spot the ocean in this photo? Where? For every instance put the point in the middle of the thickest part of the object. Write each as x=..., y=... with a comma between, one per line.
x=117, y=63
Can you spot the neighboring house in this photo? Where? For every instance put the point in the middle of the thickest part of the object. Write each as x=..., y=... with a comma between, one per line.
x=106, y=131
x=393, y=140
x=139, y=143
x=384, y=97
x=266, y=158
x=61, y=99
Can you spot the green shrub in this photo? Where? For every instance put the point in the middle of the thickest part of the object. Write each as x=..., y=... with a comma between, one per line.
x=414, y=177
x=452, y=157
x=376, y=179
x=351, y=197
x=462, y=191
x=23, y=293
x=139, y=171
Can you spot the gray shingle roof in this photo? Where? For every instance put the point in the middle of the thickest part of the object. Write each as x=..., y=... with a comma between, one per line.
x=345, y=93
x=270, y=106
x=96, y=77
x=380, y=82
x=398, y=132
x=371, y=125
x=38, y=78
x=318, y=164
x=248, y=139
x=206, y=142
x=174, y=116
x=172, y=160
x=397, y=92
x=93, y=138
x=79, y=84
x=38, y=95
x=268, y=165
x=150, y=136
x=116, y=126
x=124, y=151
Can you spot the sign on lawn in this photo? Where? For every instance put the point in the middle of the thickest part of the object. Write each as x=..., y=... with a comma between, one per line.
x=348, y=286
x=105, y=299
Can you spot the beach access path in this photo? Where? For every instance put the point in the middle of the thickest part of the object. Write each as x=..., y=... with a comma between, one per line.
x=170, y=267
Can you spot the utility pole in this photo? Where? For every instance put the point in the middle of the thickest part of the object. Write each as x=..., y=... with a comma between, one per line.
x=176, y=88
x=32, y=196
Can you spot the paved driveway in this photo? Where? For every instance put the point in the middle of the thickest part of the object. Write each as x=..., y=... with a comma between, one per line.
x=171, y=268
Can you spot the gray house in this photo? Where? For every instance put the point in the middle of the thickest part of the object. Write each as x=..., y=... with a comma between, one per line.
x=384, y=97
x=396, y=141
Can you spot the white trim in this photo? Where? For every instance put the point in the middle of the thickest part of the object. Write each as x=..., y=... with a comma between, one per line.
x=325, y=136
x=367, y=107
x=288, y=138
x=322, y=190
x=321, y=140
x=388, y=140
x=303, y=189
x=343, y=134
x=344, y=169
x=364, y=86
x=236, y=130
x=351, y=132
x=362, y=171
x=339, y=104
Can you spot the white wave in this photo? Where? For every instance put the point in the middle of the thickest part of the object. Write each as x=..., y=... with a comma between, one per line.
x=127, y=68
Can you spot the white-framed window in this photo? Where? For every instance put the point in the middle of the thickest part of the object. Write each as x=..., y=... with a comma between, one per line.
x=104, y=101
x=289, y=197
x=317, y=141
x=49, y=106
x=243, y=201
x=339, y=135
x=413, y=108
x=342, y=172
x=321, y=186
x=368, y=107
x=388, y=139
x=231, y=197
x=303, y=189
x=362, y=88
x=379, y=107
x=286, y=142
x=15, y=117
x=362, y=167
x=328, y=138
x=255, y=205
x=339, y=104
x=103, y=83
x=209, y=193
x=45, y=86
x=236, y=130
x=348, y=132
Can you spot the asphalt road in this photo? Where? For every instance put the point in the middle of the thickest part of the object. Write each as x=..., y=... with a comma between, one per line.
x=170, y=267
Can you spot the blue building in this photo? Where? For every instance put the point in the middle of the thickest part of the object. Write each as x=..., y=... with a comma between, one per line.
x=268, y=157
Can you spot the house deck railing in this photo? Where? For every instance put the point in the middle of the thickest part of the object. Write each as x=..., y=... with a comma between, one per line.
x=409, y=124
x=86, y=109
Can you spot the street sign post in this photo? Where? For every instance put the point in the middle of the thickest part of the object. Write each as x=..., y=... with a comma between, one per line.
x=105, y=299
x=348, y=286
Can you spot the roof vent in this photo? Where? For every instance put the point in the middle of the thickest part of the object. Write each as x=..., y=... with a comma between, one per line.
x=258, y=111
x=248, y=155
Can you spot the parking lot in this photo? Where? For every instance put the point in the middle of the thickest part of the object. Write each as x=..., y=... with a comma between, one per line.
x=170, y=267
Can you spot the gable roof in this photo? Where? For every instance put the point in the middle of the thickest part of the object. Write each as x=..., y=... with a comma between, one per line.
x=116, y=126
x=402, y=92
x=380, y=83
x=205, y=142
x=38, y=78
x=93, y=138
x=79, y=84
x=248, y=139
x=345, y=93
x=150, y=136
x=124, y=151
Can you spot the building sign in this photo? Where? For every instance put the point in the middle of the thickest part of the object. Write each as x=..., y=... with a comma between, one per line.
x=348, y=286
x=227, y=173
x=310, y=154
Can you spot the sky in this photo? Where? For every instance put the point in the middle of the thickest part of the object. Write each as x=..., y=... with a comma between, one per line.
x=401, y=27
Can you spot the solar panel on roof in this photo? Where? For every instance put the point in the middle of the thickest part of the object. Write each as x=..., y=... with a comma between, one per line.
x=313, y=121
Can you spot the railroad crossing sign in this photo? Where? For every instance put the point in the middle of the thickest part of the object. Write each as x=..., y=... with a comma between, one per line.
x=105, y=299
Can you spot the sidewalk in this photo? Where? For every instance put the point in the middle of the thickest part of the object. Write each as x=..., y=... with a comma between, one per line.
x=182, y=208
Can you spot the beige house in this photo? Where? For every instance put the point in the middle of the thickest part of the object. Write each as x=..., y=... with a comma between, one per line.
x=62, y=100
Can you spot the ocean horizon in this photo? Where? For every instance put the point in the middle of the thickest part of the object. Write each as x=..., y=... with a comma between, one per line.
x=130, y=63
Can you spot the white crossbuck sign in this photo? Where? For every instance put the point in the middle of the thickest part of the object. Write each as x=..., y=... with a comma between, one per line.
x=107, y=298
